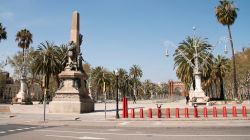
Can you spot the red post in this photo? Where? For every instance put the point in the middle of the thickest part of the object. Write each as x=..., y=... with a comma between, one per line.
x=167, y=112
x=123, y=107
x=234, y=111
x=244, y=111
x=141, y=112
x=205, y=112
x=132, y=113
x=224, y=111
x=158, y=112
x=126, y=107
x=195, y=111
x=150, y=113
x=177, y=114
x=214, y=112
x=186, y=113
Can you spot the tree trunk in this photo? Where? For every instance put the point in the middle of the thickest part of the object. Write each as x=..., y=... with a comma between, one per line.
x=222, y=96
x=234, y=67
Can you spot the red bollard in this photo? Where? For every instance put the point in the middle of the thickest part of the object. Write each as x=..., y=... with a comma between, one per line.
x=141, y=112
x=126, y=107
x=244, y=111
x=205, y=112
x=167, y=112
x=224, y=111
x=158, y=112
x=234, y=111
x=195, y=111
x=132, y=113
x=177, y=114
x=214, y=112
x=186, y=113
x=123, y=107
x=150, y=113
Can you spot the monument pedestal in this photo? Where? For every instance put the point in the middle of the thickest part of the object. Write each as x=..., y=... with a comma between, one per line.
x=198, y=97
x=23, y=96
x=71, y=97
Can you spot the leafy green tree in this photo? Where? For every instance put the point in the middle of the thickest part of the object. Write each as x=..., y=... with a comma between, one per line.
x=24, y=39
x=136, y=73
x=99, y=75
x=184, y=59
x=226, y=14
x=219, y=69
x=3, y=33
x=47, y=62
x=123, y=75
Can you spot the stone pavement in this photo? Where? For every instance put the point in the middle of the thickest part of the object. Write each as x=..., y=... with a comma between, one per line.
x=35, y=114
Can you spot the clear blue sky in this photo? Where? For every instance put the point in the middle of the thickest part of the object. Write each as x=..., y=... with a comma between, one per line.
x=120, y=33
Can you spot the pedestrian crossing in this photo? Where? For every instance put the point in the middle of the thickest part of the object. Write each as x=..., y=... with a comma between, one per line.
x=20, y=129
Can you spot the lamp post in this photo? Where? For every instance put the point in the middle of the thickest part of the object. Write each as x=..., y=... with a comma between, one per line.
x=117, y=88
x=45, y=90
x=196, y=94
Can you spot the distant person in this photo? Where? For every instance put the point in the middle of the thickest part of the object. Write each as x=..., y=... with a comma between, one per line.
x=134, y=100
x=187, y=99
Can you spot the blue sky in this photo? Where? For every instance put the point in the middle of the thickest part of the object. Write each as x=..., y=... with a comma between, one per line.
x=120, y=33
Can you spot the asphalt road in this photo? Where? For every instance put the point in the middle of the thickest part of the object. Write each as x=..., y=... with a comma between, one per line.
x=67, y=132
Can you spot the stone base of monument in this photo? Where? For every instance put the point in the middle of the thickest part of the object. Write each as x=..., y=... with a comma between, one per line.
x=71, y=97
x=20, y=99
x=85, y=106
x=198, y=98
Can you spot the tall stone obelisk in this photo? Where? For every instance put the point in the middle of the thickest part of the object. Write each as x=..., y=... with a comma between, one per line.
x=72, y=95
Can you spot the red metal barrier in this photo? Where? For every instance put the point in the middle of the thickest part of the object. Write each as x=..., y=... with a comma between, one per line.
x=234, y=111
x=177, y=114
x=132, y=113
x=205, y=112
x=141, y=112
x=195, y=112
x=150, y=113
x=167, y=112
x=186, y=113
x=214, y=112
x=224, y=111
x=158, y=112
x=244, y=111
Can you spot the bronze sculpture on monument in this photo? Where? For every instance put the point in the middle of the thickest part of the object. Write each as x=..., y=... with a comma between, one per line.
x=72, y=95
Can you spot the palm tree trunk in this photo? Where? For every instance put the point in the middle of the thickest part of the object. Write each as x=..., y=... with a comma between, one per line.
x=234, y=67
x=222, y=97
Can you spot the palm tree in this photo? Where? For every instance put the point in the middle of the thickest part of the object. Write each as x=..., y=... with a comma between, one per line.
x=47, y=62
x=99, y=75
x=220, y=68
x=123, y=75
x=184, y=59
x=3, y=33
x=147, y=87
x=226, y=14
x=135, y=72
x=24, y=39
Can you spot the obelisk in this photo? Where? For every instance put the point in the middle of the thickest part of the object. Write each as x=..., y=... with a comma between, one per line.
x=75, y=28
x=72, y=94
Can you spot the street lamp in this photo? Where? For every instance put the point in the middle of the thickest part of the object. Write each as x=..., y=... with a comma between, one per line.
x=117, y=107
x=45, y=89
x=196, y=94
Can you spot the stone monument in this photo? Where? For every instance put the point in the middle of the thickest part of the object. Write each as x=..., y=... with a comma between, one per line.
x=72, y=95
x=23, y=95
x=197, y=95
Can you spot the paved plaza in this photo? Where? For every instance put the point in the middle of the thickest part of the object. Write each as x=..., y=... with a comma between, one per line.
x=34, y=114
